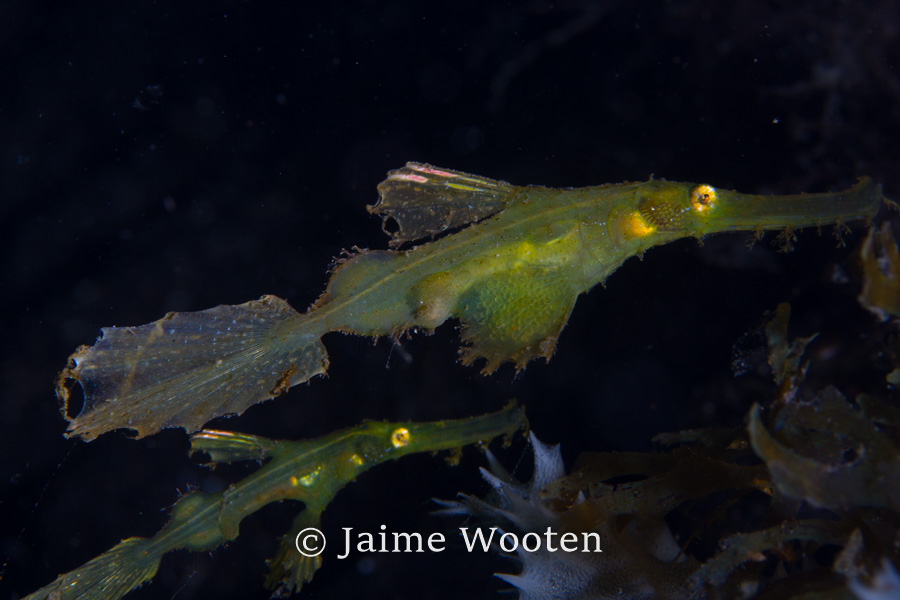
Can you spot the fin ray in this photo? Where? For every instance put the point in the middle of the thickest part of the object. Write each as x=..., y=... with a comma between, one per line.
x=426, y=200
x=119, y=570
x=188, y=368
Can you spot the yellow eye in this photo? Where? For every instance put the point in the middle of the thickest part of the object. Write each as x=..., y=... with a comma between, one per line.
x=400, y=437
x=703, y=198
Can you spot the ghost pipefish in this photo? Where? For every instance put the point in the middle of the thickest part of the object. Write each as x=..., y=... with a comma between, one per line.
x=511, y=278
x=311, y=471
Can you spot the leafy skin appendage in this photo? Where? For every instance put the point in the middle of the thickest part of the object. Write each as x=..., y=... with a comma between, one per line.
x=511, y=278
x=880, y=258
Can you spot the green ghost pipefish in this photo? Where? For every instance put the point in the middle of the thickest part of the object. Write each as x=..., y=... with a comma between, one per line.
x=311, y=471
x=511, y=278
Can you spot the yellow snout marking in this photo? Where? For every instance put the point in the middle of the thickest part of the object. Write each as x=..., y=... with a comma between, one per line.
x=624, y=225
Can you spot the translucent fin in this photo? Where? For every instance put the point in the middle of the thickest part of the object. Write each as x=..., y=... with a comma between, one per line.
x=110, y=576
x=226, y=447
x=426, y=200
x=289, y=570
x=188, y=368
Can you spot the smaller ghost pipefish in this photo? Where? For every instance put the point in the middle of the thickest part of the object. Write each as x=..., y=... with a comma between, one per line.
x=311, y=471
x=511, y=277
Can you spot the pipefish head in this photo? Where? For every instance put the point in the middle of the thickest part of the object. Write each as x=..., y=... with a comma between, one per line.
x=378, y=441
x=700, y=209
x=671, y=206
x=664, y=210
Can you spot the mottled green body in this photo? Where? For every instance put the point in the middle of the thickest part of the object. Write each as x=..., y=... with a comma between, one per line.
x=511, y=278
x=545, y=247
x=311, y=471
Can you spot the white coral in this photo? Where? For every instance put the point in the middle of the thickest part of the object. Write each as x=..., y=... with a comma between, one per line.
x=638, y=562
x=885, y=584
x=545, y=575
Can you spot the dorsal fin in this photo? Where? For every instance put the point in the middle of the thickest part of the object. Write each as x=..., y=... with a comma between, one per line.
x=426, y=200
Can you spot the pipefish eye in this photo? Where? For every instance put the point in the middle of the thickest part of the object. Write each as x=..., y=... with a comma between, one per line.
x=400, y=437
x=703, y=197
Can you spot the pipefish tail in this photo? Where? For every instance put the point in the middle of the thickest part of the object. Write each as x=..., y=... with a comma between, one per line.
x=509, y=266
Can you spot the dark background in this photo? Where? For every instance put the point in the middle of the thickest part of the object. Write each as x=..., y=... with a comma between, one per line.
x=176, y=156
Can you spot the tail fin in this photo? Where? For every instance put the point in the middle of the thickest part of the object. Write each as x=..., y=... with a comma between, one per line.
x=110, y=576
x=188, y=368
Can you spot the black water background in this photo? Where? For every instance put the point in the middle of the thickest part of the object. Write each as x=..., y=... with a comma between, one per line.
x=161, y=157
